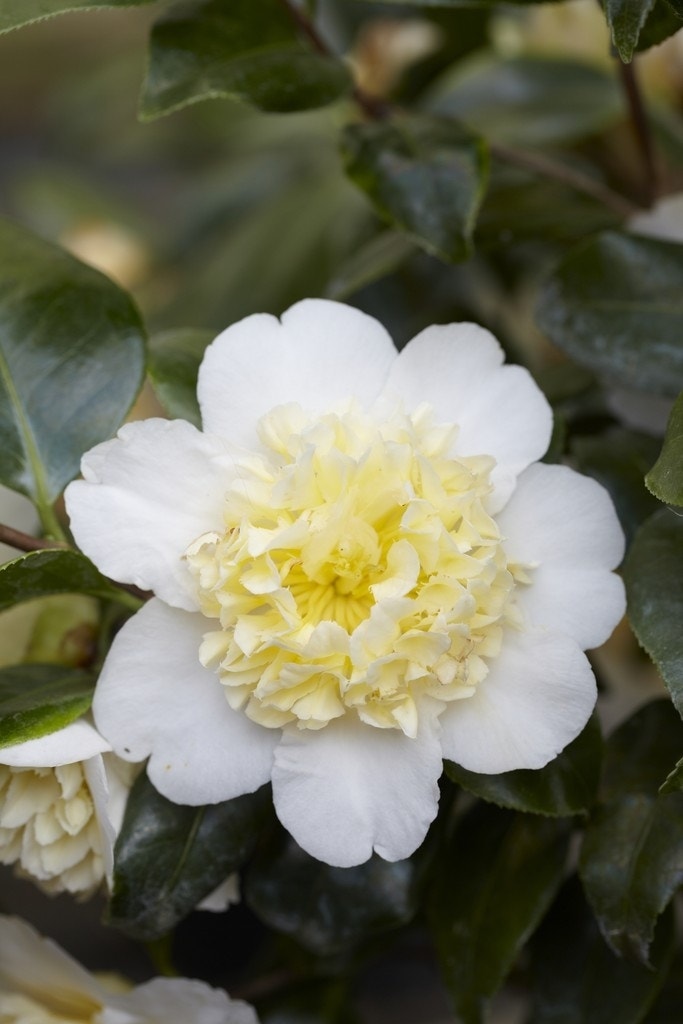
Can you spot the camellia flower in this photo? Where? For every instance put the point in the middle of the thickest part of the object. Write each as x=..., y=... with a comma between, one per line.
x=41, y=984
x=358, y=572
x=62, y=799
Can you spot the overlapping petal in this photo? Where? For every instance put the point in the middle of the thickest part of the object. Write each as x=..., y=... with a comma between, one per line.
x=144, y=497
x=536, y=699
x=155, y=699
x=349, y=789
x=319, y=353
x=499, y=410
x=564, y=524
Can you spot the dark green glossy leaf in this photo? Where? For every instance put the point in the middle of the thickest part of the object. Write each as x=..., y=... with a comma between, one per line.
x=71, y=363
x=55, y=571
x=208, y=49
x=577, y=979
x=39, y=699
x=632, y=854
x=619, y=459
x=615, y=305
x=626, y=19
x=493, y=882
x=14, y=13
x=663, y=21
x=310, y=1002
x=564, y=787
x=168, y=858
x=174, y=358
x=425, y=175
x=329, y=909
x=653, y=573
x=665, y=479
x=529, y=101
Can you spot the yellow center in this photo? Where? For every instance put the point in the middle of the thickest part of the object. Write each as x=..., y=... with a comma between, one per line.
x=358, y=570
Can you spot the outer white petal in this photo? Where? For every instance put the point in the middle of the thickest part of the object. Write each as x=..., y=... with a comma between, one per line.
x=536, y=699
x=176, y=1001
x=154, y=698
x=351, y=789
x=566, y=524
x=145, y=496
x=77, y=741
x=499, y=409
x=109, y=791
x=322, y=352
x=38, y=968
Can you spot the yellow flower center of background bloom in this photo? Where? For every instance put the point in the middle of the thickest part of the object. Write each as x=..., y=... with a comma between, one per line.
x=48, y=827
x=358, y=571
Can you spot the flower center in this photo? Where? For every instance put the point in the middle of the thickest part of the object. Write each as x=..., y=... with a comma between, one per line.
x=48, y=827
x=358, y=570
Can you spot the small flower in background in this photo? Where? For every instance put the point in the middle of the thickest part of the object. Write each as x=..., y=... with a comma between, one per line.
x=62, y=799
x=39, y=982
x=359, y=569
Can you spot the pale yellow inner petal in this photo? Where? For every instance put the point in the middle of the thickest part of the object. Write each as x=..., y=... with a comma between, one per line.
x=358, y=571
x=48, y=827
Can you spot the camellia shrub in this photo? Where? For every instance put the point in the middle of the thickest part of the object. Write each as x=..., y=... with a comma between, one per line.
x=341, y=441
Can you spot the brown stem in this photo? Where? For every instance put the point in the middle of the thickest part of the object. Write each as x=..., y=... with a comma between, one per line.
x=641, y=131
x=549, y=168
x=24, y=542
x=374, y=108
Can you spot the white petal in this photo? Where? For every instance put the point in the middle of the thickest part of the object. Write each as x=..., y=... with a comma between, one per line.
x=176, y=1001
x=223, y=896
x=322, y=352
x=537, y=698
x=350, y=788
x=37, y=967
x=499, y=409
x=566, y=524
x=145, y=496
x=109, y=797
x=154, y=698
x=77, y=741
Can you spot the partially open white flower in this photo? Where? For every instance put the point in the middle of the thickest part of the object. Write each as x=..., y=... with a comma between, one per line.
x=41, y=984
x=62, y=799
x=358, y=571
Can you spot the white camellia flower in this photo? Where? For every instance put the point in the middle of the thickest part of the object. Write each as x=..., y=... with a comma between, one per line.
x=62, y=799
x=359, y=569
x=41, y=984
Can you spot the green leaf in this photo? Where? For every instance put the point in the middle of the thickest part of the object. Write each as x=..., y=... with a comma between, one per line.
x=626, y=19
x=619, y=459
x=168, y=858
x=665, y=479
x=174, y=358
x=653, y=573
x=662, y=22
x=71, y=363
x=565, y=787
x=425, y=175
x=14, y=13
x=314, y=1001
x=615, y=305
x=632, y=854
x=240, y=50
x=460, y=3
x=576, y=977
x=529, y=101
x=493, y=882
x=55, y=571
x=39, y=699
x=329, y=909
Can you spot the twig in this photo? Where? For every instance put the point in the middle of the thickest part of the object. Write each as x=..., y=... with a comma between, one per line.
x=375, y=108
x=641, y=131
x=24, y=542
x=561, y=172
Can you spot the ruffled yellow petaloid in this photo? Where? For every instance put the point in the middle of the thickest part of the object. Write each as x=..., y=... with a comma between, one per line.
x=358, y=570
